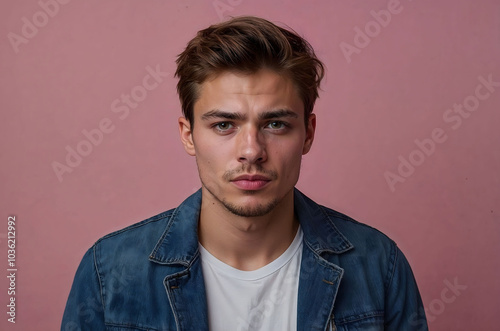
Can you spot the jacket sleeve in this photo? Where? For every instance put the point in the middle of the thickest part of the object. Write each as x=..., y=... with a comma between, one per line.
x=403, y=308
x=84, y=308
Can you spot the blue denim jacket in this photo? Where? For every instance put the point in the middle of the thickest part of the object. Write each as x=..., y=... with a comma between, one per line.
x=148, y=276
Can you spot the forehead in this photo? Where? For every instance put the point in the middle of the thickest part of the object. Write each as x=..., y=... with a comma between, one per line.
x=236, y=91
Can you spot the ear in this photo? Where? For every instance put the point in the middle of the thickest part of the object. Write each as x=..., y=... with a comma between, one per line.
x=310, y=130
x=186, y=135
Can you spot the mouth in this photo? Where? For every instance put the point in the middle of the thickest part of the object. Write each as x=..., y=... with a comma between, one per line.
x=250, y=182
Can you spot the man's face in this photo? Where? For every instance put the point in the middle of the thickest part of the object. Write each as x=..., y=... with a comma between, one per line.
x=248, y=138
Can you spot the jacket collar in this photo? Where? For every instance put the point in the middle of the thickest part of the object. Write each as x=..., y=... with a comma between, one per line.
x=179, y=243
x=319, y=230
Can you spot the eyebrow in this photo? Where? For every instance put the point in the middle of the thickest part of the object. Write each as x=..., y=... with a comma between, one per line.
x=217, y=113
x=267, y=115
x=278, y=113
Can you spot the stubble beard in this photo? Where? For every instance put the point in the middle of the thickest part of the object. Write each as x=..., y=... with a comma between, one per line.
x=245, y=211
x=242, y=210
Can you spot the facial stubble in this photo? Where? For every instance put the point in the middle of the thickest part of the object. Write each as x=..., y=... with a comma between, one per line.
x=239, y=210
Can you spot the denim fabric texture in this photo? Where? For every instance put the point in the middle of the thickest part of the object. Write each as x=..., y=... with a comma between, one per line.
x=148, y=276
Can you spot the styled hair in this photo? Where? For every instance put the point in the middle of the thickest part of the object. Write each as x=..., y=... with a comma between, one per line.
x=247, y=44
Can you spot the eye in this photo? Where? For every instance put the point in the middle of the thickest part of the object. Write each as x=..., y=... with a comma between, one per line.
x=276, y=125
x=223, y=126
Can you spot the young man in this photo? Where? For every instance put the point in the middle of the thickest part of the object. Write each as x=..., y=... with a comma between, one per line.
x=248, y=251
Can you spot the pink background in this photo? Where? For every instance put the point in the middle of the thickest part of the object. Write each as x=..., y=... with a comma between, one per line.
x=64, y=78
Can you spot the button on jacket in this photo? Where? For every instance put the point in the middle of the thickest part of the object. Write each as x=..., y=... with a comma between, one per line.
x=148, y=276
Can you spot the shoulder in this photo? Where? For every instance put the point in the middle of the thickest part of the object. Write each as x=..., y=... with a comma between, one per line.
x=329, y=230
x=368, y=246
x=323, y=222
x=357, y=232
x=371, y=252
x=138, y=238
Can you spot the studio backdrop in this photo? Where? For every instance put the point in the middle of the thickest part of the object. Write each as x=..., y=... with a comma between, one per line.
x=407, y=136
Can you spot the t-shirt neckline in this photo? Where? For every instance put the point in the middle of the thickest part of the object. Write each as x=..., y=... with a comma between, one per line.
x=268, y=269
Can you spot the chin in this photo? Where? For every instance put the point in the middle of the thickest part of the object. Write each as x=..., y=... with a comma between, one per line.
x=251, y=211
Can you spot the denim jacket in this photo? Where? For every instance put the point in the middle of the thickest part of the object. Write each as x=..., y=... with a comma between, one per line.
x=148, y=276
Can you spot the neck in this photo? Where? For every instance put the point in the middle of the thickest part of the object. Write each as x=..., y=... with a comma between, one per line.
x=246, y=243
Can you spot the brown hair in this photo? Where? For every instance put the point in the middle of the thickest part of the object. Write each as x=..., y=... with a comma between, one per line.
x=247, y=44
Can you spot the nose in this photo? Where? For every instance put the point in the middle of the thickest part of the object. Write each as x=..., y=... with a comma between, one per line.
x=252, y=147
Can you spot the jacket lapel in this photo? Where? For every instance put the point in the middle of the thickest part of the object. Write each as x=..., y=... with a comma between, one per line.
x=186, y=293
x=318, y=285
x=178, y=251
x=319, y=279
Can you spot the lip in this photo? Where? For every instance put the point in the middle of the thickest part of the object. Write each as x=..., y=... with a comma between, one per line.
x=251, y=182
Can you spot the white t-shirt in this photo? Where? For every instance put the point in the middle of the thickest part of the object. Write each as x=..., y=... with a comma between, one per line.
x=262, y=299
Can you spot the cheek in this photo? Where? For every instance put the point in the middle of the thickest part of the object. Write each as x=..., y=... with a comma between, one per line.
x=290, y=157
x=211, y=159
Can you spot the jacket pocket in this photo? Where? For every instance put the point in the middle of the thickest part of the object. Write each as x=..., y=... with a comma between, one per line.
x=373, y=321
x=115, y=327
